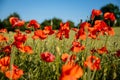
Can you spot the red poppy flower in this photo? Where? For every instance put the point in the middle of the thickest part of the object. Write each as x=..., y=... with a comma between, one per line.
x=59, y=35
x=16, y=73
x=117, y=53
x=95, y=13
x=3, y=30
x=73, y=57
x=111, y=31
x=100, y=25
x=85, y=25
x=92, y=62
x=17, y=31
x=33, y=23
x=74, y=29
x=4, y=63
x=26, y=49
x=81, y=34
x=109, y=16
x=3, y=38
x=102, y=50
x=93, y=33
x=40, y=34
x=15, y=22
x=107, y=30
x=47, y=57
x=48, y=30
x=62, y=34
x=7, y=49
x=99, y=28
x=65, y=56
x=18, y=44
x=77, y=47
x=63, y=31
x=71, y=72
x=28, y=31
x=34, y=37
x=64, y=26
x=20, y=37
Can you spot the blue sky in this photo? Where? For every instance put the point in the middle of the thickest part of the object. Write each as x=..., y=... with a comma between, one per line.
x=47, y=9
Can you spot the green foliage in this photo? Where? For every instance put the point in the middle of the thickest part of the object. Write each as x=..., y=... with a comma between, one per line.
x=1, y=24
x=45, y=23
x=71, y=24
x=55, y=23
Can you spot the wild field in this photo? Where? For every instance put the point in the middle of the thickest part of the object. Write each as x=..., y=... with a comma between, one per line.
x=35, y=68
x=91, y=52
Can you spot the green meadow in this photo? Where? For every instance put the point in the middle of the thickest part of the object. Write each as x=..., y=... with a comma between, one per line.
x=36, y=69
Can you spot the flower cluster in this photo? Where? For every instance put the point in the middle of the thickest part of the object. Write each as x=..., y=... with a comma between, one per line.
x=71, y=68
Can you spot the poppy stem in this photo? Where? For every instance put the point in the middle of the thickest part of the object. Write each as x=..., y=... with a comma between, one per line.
x=12, y=61
x=89, y=74
x=57, y=62
x=107, y=37
x=85, y=51
x=92, y=78
x=35, y=46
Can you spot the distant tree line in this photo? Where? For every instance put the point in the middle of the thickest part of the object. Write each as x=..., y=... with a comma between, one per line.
x=55, y=22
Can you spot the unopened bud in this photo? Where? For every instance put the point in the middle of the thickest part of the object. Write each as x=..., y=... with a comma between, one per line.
x=58, y=50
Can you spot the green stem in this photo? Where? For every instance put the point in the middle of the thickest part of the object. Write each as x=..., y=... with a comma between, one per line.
x=57, y=62
x=107, y=37
x=89, y=74
x=12, y=61
x=92, y=78
x=85, y=51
